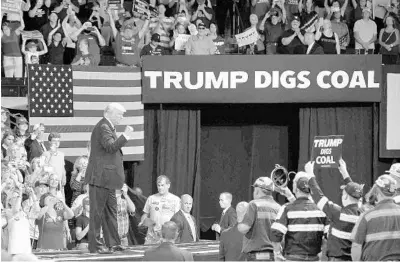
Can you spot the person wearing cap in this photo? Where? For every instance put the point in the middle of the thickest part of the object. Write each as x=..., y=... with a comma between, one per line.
x=257, y=222
x=204, y=13
x=342, y=219
x=394, y=172
x=82, y=226
x=21, y=130
x=153, y=48
x=273, y=26
x=33, y=144
x=376, y=235
x=200, y=44
x=292, y=40
x=127, y=41
x=365, y=33
x=301, y=224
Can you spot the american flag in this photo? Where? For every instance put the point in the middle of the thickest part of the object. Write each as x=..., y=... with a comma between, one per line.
x=81, y=105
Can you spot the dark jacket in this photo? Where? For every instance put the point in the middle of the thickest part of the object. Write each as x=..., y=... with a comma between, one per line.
x=316, y=49
x=105, y=168
x=229, y=219
x=167, y=252
x=33, y=148
x=185, y=232
x=231, y=244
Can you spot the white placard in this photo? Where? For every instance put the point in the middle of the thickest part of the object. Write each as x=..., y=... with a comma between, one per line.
x=180, y=42
x=247, y=37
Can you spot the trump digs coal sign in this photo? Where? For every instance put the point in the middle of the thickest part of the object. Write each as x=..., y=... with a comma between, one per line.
x=258, y=79
x=327, y=150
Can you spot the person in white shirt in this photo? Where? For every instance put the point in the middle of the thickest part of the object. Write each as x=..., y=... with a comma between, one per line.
x=365, y=33
x=159, y=208
x=185, y=221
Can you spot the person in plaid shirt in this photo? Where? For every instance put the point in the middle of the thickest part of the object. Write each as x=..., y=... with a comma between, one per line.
x=124, y=209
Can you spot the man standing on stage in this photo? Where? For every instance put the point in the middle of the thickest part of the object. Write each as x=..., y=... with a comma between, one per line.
x=159, y=208
x=105, y=174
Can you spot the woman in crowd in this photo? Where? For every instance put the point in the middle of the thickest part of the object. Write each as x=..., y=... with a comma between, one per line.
x=70, y=25
x=56, y=46
x=6, y=142
x=34, y=172
x=218, y=40
x=327, y=38
x=55, y=159
x=82, y=226
x=10, y=47
x=389, y=39
x=179, y=30
x=31, y=208
x=18, y=224
x=21, y=129
x=342, y=30
x=78, y=177
x=258, y=47
x=273, y=26
x=51, y=220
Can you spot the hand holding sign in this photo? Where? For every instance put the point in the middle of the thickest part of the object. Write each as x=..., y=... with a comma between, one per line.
x=309, y=168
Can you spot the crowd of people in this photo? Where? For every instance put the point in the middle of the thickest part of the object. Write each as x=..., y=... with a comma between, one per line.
x=94, y=32
x=35, y=215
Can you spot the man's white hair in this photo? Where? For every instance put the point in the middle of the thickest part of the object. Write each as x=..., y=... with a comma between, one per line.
x=114, y=106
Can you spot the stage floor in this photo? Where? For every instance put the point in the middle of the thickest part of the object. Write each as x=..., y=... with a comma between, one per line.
x=204, y=250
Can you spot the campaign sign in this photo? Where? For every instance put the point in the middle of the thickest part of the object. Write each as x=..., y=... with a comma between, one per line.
x=10, y=6
x=247, y=37
x=327, y=151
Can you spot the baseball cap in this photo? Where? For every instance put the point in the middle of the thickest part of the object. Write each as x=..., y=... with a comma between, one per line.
x=201, y=24
x=22, y=120
x=264, y=183
x=367, y=9
x=296, y=18
x=31, y=44
x=394, y=172
x=387, y=185
x=156, y=38
x=302, y=185
x=353, y=189
x=40, y=183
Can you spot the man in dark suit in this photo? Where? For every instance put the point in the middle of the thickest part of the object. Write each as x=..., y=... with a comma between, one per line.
x=231, y=241
x=228, y=216
x=105, y=174
x=167, y=251
x=313, y=48
x=186, y=222
x=34, y=145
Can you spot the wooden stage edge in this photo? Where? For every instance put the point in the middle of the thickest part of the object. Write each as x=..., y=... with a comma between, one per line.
x=204, y=250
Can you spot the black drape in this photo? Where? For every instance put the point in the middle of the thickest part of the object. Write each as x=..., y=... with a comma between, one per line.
x=359, y=125
x=172, y=148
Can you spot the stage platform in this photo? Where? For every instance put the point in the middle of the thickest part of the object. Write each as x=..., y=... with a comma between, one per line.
x=204, y=250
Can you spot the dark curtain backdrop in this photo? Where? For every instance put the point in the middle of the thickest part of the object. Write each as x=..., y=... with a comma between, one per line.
x=172, y=148
x=238, y=145
x=359, y=125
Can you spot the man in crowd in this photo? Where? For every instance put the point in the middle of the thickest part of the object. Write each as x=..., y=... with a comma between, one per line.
x=125, y=207
x=394, y=172
x=34, y=144
x=313, y=48
x=376, y=235
x=292, y=39
x=203, y=13
x=365, y=33
x=256, y=224
x=342, y=219
x=160, y=208
x=228, y=216
x=185, y=221
x=301, y=224
x=167, y=251
x=231, y=241
x=105, y=174
x=200, y=44
x=153, y=48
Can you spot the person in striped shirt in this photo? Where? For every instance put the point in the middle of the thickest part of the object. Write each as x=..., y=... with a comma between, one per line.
x=343, y=218
x=376, y=235
x=301, y=224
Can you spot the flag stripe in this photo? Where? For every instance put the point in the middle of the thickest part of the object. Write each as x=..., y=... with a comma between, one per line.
x=85, y=136
x=107, y=83
x=99, y=114
x=92, y=90
x=106, y=98
x=104, y=90
x=71, y=121
x=82, y=144
x=102, y=105
x=120, y=76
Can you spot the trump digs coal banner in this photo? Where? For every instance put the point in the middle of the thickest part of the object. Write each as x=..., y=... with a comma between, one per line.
x=261, y=79
x=327, y=150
